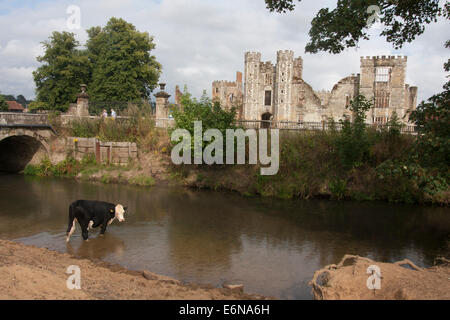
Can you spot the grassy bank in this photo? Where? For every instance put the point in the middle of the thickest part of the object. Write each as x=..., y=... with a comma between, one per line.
x=358, y=162
x=88, y=170
x=310, y=166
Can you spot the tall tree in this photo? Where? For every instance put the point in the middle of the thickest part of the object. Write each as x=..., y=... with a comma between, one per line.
x=9, y=97
x=64, y=69
x=432, y=119
x=21, y=99
x=3, y=104
x=335, y=30
x=123, y=68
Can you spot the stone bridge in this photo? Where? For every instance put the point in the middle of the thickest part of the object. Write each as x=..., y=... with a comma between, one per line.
x=22, y=135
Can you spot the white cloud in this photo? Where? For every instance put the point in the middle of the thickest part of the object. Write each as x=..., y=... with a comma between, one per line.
x=199, y=41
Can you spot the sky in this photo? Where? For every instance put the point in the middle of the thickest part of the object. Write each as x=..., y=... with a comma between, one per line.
x=199, y=41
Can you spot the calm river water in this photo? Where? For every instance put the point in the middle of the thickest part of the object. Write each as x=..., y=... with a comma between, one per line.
x=273, y=247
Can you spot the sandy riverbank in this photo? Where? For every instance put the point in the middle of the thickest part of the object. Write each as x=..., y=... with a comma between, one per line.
x=28, y=272
x=402, y=280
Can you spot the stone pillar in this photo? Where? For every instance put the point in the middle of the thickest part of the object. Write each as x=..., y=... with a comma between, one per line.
x=162, y=107
x=82, y=103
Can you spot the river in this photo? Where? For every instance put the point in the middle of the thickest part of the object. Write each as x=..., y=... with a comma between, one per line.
x=271, y=246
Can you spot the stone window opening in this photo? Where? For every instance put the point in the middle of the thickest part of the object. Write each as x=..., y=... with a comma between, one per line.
x=383, y=74
x=382, y=99
x=381, y=120
x=268, y=98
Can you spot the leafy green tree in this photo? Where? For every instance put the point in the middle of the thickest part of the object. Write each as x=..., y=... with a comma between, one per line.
x=123, y=68
x=432, y=119
x=210, y=114
x=9, y=97
x=64, y=69
x=21, y=99
x=3, y=104
x=334, y=30
x=353, y=143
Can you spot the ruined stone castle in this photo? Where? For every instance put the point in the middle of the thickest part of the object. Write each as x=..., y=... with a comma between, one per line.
x=278, y=92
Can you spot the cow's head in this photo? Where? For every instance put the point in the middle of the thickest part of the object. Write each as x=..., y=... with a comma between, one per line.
x=120, y=211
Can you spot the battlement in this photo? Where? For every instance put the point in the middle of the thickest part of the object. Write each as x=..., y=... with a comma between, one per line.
x=289, y=54
x=252, y=55
x=267, y=64
x=285, y=52
x=266, y=67
x=225, y=83
x=388, y=58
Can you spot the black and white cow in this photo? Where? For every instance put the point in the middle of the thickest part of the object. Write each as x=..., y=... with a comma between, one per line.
x=93, y=214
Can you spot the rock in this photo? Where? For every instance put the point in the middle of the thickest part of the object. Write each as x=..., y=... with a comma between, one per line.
x=149, y=276
x=234, y=287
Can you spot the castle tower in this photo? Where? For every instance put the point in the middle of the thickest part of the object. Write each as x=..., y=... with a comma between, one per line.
x=383, y=79
x=283, y=88
x=251, y=88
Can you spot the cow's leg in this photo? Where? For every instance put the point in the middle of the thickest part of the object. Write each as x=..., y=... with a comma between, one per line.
x=104, y=226
x=83, y=221
x=71, y=231
x=71, y=224
x=91, y=223
x=84, y=232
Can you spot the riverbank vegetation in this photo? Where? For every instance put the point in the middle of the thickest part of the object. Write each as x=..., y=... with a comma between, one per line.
x=87, y=169
x=358, y=162
x=137, y=125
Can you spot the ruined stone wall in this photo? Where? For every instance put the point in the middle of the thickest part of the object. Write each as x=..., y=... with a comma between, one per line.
x=389, y=93
x=306, y=104
x=341, y=95
x=279, y=91
x=228, y=93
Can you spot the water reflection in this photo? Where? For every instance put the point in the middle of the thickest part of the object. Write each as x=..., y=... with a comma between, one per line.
x=98, y=248
x=273, y=247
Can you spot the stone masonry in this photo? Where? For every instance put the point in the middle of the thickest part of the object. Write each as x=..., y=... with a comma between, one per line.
x=279, y=92
x=228, y=93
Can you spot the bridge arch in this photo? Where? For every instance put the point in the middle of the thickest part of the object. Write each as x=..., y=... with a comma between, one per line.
x=19, y=146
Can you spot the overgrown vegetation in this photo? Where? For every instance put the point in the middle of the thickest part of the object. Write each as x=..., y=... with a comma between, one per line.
x=138, y=126
x=209, y=113
x=87, y=169
x=3, y=104
x=359, y=162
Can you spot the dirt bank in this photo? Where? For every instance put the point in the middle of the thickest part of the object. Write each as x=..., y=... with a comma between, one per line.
x=399, y=281
x=27, y=272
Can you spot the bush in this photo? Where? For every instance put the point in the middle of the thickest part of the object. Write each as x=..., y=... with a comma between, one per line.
x=353, y=142
x=210, y=114
x=138, y=127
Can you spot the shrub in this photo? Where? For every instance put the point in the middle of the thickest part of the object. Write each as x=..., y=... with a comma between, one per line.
x=211, y=115
x=353, y=142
